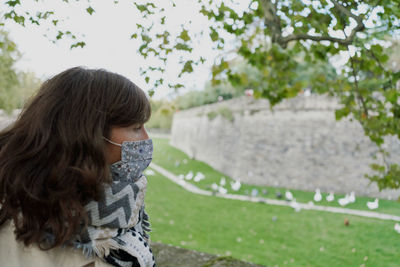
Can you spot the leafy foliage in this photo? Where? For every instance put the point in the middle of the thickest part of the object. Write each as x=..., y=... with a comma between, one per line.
x=14, y=10
x=208, y=95
x=281, y=39
x=15, y=87
x=8, y=76
x=162, y=113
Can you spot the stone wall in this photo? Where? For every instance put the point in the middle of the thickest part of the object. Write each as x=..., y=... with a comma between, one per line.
x=171, y=256
x=298, y=144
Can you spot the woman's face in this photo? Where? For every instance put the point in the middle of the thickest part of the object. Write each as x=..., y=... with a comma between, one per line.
x=118, y=135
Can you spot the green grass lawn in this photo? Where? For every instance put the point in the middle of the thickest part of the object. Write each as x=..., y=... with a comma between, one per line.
x=264, y=234
x=248, y=231
x=178, y=163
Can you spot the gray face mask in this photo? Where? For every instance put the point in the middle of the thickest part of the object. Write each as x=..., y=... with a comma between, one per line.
x=135, y=158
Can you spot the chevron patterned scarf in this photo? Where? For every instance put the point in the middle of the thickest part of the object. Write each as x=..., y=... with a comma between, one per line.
x=118, y=225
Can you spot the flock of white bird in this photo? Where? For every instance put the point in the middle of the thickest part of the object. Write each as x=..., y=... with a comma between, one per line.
x=220, y=187
x=236, y=185
x=347, y=199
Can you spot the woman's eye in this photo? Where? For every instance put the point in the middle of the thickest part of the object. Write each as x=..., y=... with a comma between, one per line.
x=137, y=128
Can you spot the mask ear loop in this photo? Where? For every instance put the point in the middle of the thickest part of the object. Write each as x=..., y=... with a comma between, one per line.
x=112, y=142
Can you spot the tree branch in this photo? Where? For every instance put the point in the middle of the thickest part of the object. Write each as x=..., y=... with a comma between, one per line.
x=273, y=22
x=359, y=96
x=303, y=36
x=381, y=66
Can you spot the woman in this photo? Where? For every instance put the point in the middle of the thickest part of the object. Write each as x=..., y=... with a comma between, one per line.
x=71, y=174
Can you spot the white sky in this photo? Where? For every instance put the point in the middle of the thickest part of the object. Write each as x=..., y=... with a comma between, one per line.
x=108, y=44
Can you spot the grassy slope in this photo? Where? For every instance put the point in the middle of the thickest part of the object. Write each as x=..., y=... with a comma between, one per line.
x=168, y=157
x=246, y=230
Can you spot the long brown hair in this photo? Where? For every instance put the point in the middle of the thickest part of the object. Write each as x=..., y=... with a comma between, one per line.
x=53, y=158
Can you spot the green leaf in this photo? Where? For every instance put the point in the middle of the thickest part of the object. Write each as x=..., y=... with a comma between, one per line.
x=391, y=95
x=183, y=47
x=78, y=44
x=396, y=76
x=184, y=35
x=13, y=3
x=59, y=35
x=90, y=10
x=145, y=9
x=17, y=18
x=214, y=34
x=187, y=67
x=33, y=21
x=175, y=86
x=343, y=112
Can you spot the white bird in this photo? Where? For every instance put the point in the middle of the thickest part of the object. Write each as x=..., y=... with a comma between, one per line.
x=189, y=176
x=149, y=172
x=223, y=181
x=236, y=185
x=222, y=190
x=317, y=196
x=294, y=204
x=352, y=197
x=397, y=227
x=254, y=192
x=199, y=176
x=330, y=197
x=344, y=201
x=288, y=195
x=181, y=176
x=214, y=187
x=372, y=205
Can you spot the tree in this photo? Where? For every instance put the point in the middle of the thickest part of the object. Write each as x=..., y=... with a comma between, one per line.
x=277, y=37
x=28, y=84
x=162, y=112
x=15, y=86
x=8, y=76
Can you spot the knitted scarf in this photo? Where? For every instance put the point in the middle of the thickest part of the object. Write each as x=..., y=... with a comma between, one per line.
x=118, y=225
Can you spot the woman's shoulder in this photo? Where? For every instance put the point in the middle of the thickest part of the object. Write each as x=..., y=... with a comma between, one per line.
x=15, y=254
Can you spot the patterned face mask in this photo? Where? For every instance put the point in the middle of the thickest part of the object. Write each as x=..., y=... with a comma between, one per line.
x=135, y=158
